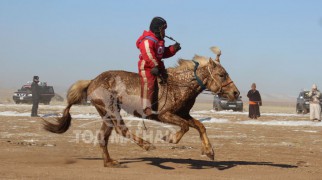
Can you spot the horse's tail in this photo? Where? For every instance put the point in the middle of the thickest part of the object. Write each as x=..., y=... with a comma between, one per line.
x=76, y=93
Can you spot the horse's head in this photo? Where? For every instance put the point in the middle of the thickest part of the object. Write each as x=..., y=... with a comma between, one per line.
x=219, y=80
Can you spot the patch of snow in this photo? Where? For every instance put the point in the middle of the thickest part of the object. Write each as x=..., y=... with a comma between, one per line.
x=132, y=118
x=31, y=140
x=281, y=114
x=215, y=120
x=197, y=115
x=15, y=105
x=203, y=112
x=29, y=106
x=49, y=145
x=281, y=123
x=14, y=113
x=308, y=131
x=231, y=112
x=86, y=116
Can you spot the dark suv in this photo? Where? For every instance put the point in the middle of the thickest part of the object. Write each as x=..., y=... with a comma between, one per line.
x=222, y=103
x=24, y=95
x=303, y=102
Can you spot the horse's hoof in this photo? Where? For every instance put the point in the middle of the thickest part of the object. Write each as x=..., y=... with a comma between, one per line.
x=165, y=138
x=211, y=156
x=149, y=147
x=169, y=139
x=113, y=164
x=209, y=153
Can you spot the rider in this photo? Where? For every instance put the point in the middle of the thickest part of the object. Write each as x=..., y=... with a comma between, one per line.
x=151, y=46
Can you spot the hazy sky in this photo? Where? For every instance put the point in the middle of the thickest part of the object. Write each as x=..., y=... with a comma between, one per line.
x=277, y=44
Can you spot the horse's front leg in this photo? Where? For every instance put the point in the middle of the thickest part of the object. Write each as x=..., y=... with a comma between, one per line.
x=171, y=118
x=206, y=145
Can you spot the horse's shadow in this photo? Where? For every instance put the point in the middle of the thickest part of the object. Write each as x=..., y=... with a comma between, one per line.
x=197, y=164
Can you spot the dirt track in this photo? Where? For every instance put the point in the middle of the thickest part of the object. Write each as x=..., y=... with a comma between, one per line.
x=243, y=151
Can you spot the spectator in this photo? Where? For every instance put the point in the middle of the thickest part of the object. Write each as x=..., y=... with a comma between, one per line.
x=315, y=108
x=35, y=90
x=255, y=101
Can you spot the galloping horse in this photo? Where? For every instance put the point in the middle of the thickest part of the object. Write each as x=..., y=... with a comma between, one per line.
x=112, y=91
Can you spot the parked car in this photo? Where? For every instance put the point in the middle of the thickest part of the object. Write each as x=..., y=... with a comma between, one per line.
x=222, y=103
x=303, y=102
x=24, y=94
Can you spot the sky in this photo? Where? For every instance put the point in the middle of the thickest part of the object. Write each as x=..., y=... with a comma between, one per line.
x=277, y=44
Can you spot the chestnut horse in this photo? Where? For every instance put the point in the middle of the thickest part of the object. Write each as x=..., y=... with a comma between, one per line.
x=112, y=91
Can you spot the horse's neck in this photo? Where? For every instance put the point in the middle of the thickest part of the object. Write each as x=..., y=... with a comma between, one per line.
x=184, y=75
x=185, y=80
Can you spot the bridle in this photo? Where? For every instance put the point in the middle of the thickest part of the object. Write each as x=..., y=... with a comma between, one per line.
x=222, y=85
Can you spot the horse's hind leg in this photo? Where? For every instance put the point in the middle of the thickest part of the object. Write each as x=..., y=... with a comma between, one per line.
x=121, y=129
x=105, y=132
x=170, y=118
x=103, y=136
x=206, y=145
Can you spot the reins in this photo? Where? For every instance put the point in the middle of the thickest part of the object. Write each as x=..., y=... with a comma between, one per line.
x=199, y=81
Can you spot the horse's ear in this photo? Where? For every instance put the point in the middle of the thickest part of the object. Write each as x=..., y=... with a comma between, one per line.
x=217, y=51
x=217, y=59
x=212, y=62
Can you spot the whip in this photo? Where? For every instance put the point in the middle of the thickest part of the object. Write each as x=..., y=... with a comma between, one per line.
x=171, y=39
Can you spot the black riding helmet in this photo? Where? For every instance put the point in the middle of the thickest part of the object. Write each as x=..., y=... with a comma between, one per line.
x=157, y=26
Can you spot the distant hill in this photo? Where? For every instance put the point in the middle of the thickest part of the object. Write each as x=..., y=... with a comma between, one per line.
x=6, y=95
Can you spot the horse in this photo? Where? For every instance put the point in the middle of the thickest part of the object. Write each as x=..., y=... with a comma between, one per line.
x=114, y=90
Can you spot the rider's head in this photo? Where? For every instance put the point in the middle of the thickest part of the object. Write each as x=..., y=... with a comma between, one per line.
x=158, y=26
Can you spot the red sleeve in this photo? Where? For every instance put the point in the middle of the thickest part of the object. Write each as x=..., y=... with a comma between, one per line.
x=147, y=52
x=169, y=52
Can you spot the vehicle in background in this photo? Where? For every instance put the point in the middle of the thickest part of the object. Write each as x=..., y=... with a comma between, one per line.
x=222, y=103
x=24, y=94
x=303, y=103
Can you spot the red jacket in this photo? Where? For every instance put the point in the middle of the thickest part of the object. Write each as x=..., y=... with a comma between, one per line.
x=153, y=51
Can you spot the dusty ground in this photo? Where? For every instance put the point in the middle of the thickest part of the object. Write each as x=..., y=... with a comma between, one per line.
x=243, y=151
